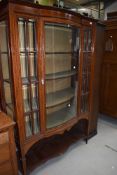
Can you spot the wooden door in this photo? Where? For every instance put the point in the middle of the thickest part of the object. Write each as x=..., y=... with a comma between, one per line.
x=109, y=90
x=108, y=104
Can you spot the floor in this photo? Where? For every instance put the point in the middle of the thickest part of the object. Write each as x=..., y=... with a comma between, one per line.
x=98, y=157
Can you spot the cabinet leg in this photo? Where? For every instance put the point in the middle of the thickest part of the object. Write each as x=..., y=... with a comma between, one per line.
x=24, y=169
x=86, y=140
x=87, y=132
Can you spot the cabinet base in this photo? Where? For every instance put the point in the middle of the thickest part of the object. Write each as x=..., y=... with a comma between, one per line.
x=51, y=147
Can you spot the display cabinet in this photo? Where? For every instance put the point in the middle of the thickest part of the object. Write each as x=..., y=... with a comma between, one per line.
x=48, y=72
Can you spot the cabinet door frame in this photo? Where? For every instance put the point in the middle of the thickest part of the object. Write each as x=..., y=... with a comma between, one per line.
x=90, y=26
x=19, y=109
x=75, y=119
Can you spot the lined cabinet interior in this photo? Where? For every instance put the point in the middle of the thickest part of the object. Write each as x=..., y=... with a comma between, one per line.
x=61, y=65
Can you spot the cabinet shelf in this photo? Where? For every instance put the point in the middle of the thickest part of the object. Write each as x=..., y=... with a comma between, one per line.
x=27, y=51
x=49, y=53
x=59, y=117
x=59, y=97
x=60, y=75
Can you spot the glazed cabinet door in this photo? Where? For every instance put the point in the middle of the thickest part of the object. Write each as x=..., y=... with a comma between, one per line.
x=29, y=75
x=61, y=72
x=86, y=70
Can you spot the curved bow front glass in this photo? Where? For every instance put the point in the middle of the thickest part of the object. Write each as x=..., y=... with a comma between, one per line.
x=62, y=62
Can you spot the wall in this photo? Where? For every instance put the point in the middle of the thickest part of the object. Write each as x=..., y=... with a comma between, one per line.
x=111, y=8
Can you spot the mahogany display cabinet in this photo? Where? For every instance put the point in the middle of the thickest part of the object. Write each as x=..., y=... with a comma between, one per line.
x=50, y=64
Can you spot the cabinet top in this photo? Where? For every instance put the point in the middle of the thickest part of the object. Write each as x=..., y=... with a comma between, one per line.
x=49, y=9
x=5, y=121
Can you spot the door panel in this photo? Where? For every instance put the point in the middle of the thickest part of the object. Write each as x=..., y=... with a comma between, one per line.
x=29, y=77
x=109, y=90
x=61, y=69
x=86, y=70
x=111, y=55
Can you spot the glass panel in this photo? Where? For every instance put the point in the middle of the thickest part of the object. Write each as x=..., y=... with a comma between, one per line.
x=26, y=98
x=86, y=82
x=28, y=54
x=36, y=122
x=5, y=66
x=7, y=91
x=34, y=96
x=61, y=63
x=28, y=125
x=62, y=35
x=31, y=30
x=25, y=69
x=86, y=71
x=27, y=46
x=9, y=112
x=33, y=66
x=61, y=73
x=28, y=60
x=24, y=66
x=89, y=40
x=22, y=34
x=85, y=40
x=3, y=37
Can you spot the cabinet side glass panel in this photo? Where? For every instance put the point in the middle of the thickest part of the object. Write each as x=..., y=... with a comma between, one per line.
x=62, y=61
x=5, y=66
x=30, y=82
x=86, y=71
